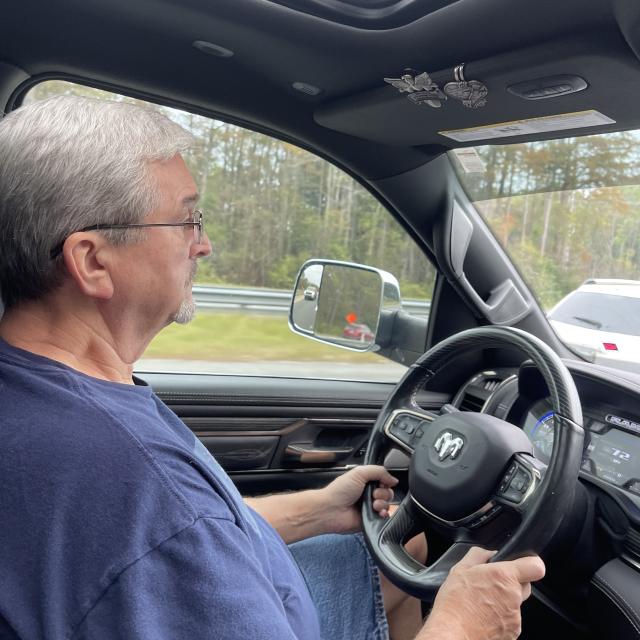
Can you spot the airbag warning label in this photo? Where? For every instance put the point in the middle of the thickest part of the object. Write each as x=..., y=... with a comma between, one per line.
x=530, y=126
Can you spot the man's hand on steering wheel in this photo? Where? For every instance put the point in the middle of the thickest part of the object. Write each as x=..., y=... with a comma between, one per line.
x=479, y=600
x=341, y=498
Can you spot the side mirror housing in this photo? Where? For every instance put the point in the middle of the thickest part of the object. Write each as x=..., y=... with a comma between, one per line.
x=349, y=305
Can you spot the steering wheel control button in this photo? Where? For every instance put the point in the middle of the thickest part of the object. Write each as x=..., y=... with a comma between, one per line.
x=508, y=477
x=408, y=429
x=399, y=433
x=515, y=484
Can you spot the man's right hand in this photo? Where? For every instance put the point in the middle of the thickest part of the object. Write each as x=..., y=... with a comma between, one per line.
x=480, y=601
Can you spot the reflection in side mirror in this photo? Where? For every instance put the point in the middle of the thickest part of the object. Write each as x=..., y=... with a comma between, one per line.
x=304, y=304
x=310, y=293
x=343, y=304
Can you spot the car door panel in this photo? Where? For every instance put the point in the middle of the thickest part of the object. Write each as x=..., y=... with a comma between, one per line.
x=275, y=434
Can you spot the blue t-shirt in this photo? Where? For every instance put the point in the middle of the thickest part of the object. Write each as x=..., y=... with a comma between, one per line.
x=116, y=522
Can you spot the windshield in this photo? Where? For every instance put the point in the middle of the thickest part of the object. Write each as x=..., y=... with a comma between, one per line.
x=568, y=212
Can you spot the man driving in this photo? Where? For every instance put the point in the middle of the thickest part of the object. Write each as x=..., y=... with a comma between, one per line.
x=116, y=521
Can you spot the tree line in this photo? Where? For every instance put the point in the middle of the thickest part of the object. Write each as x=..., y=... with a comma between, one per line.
x=566, y=210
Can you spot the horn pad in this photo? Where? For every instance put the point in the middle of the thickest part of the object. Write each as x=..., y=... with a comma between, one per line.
x=459, y=461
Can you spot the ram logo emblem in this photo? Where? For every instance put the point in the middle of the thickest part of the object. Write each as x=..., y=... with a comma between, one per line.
x=448, y=446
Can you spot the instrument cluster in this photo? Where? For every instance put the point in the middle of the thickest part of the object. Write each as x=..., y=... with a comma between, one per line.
x=612, y=444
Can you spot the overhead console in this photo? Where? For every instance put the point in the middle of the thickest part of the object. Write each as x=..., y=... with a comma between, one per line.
x=569, y=82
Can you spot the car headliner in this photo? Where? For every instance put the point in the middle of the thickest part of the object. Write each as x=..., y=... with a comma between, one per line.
x=144, y=47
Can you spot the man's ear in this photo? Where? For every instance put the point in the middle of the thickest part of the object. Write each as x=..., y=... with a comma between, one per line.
x=85, y=256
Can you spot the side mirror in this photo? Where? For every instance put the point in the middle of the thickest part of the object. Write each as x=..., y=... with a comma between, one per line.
x=344, y=304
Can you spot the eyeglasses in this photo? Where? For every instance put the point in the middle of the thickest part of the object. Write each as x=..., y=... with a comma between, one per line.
x=196, y=223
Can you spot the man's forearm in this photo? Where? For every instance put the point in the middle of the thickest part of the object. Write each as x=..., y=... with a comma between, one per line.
x=294, y=516
x=332, y=509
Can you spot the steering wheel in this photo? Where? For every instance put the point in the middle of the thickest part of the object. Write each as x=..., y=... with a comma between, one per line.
x=472, y=476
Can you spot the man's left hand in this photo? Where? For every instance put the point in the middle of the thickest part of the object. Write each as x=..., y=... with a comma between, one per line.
x=340, y=497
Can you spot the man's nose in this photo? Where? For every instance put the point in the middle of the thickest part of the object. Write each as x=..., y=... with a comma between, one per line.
x=202, y=248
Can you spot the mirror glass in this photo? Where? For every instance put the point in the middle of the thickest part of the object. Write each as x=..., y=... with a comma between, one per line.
x=305, y=298
x=339, y=304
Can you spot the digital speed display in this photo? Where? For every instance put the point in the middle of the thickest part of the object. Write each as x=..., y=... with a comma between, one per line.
x=614, y=456
x=610, y=454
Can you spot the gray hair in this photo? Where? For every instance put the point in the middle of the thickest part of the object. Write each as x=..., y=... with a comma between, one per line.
x=67, y=163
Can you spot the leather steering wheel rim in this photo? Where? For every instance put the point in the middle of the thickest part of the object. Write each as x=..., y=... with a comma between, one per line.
x=552, y=489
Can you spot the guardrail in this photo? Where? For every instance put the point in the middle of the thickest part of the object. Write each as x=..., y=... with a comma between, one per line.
x=269, y=301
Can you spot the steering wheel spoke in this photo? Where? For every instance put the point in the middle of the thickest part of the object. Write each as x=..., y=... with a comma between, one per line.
x=424, y=579
x=519, y=485
x=386, y=538
x=405, y=427
x=401, y=526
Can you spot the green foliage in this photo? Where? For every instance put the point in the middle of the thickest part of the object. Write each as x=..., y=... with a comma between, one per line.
x=541, y=272
x=413, y=291
x=284, y=273
x=207, y=272
x=577, y=215
x=240, y=337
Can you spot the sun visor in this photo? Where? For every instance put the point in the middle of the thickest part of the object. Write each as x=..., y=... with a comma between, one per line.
x=535, y=93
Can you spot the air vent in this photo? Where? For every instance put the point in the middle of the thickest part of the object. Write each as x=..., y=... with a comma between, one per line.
x=471, y=403
x=473, y=395
x=632, y=544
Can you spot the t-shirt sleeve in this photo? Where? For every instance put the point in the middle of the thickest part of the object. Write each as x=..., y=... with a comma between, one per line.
x=203, y=582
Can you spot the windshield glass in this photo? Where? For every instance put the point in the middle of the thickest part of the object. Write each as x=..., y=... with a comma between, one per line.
x=568, y=213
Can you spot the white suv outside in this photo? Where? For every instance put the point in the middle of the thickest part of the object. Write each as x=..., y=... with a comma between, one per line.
x=600, y=321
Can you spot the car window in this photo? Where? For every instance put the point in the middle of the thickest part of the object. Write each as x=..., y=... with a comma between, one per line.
x=269, y=206
x=619, y=314
x=567, y=212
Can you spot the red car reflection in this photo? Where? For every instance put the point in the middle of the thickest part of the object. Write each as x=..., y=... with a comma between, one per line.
x=360, y=332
